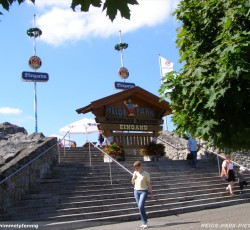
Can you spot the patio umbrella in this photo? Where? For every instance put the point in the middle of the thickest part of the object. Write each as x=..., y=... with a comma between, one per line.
x=83, y=126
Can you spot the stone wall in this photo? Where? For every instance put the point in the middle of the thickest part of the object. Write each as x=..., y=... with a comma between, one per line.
x=176, y=147
x=242, y=158
x=43, y=156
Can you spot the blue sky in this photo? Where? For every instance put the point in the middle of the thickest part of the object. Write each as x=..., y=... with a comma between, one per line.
x=77, y=51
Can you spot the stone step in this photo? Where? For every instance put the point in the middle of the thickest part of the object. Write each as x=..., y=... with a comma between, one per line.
x=98, y=188
x=84, y=195
x=80, y=195
x=83, y=178
x=86, y=223
x=119, y=209
x=164, y=167
x=118, y=196
x=89, y=197
x=86, y=185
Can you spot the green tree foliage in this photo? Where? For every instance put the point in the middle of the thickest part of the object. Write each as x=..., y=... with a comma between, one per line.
x=210, y=95
x=112, y=6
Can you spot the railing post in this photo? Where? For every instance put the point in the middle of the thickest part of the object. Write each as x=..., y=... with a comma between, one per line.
x=110, y=171
x=59, y=154
x=89, y=155
x=218, y=163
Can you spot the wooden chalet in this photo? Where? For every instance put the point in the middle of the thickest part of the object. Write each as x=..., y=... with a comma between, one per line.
x=132, y=117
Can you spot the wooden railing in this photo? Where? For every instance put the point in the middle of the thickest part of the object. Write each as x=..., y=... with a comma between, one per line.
x=130, y=140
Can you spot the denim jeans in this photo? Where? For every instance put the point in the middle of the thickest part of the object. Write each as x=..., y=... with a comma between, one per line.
x=140, y=197
x=194, y=154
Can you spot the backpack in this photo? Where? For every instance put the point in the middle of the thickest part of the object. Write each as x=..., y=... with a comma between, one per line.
x=189, y=156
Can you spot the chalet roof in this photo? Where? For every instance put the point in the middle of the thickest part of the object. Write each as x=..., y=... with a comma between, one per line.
x=135, y=92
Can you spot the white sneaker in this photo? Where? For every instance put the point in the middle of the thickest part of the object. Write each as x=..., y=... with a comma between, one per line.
x=144, y=226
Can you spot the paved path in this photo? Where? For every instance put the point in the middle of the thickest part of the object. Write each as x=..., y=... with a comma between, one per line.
x=233, y=217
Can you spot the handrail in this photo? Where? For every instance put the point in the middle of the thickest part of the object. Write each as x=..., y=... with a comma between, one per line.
x=110, y=171
x=218, y=155
x=24, y=166
x=114, y=160
x=167, y=143
x=63, y=137
x=59, y=155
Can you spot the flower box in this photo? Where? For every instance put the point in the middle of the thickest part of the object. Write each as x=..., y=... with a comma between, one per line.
x=114, y=150
x=147, y=158
x=152, y=158
x=107, y=159
x=153, y=152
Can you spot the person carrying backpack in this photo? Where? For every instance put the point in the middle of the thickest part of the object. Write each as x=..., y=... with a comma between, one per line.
x=100, y=138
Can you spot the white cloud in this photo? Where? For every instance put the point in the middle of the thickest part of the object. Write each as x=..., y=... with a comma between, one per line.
x=42, y=4
x=60, y=24
x=8, y=110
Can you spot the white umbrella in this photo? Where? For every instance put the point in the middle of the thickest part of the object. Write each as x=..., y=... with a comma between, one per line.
x=83, y=126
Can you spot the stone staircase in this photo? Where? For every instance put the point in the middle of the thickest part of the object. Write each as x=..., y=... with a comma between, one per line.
x=78, y=195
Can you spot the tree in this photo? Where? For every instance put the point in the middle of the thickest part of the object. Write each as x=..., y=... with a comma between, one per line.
x=112, y=6
x=211, y=93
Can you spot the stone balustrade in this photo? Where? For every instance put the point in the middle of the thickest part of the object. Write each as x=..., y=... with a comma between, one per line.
x=44, y=157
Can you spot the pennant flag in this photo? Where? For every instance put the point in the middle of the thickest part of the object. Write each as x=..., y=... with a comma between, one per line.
x=166, y=66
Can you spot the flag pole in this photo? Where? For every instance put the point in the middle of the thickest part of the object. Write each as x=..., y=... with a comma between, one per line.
x=164, y=120
x=160, y=68
x=121, y=51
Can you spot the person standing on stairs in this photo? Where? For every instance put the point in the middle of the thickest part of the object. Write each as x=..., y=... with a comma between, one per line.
x=192, y=147
x=100, y=138
x=142, y=187
x=227, y=171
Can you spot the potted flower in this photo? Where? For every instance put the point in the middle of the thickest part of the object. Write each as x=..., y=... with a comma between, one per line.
x=152, y=151
x=115, y=150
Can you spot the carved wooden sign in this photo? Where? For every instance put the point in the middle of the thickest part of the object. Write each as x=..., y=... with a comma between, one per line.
x=131, y=117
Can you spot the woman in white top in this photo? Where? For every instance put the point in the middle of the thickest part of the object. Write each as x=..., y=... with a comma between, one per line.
x=142, y=187
x=227, y=171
